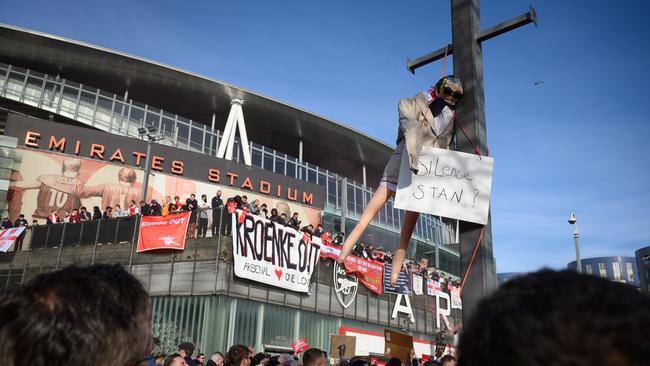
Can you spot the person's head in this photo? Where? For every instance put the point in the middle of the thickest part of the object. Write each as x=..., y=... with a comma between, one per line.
x=313, y=357
x=217, y=357
x=143, y=203
x=394, y=362
x=127, y=176
x=95, y=208
x=204, y=197
x=295, y=215
x=319, y=227
x=263, y=207
x=284, y=359
x=74, y=211
x=284, y=216
x=186, y=349
x=117, y=207
x=175, y=359
x=238, y=355
x=177, y=199
x=260, y=359
x=192, y=196
x=71, y=168
x=132, y=202
x=82, y=209
x=200, y=358
x=67, y=213
x=244, y=199
x=34, y=222
x=359, y=362
x=581, y=319
x=274, y=212
x=21, y=216
x=256, y=203
x=448, y=360
x=94, y=315
x=449, y=88
x=219, y=194
x=53, y=212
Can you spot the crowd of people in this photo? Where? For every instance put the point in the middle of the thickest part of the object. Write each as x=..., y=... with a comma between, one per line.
x=100, y=315
x=242, y=355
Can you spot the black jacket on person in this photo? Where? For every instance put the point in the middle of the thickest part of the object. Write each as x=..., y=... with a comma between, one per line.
x=156, y=209
x=216, y=202
x=145, y=210
x=190, y=362
x=21, y=222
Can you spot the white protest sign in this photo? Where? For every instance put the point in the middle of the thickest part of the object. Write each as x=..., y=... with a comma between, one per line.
x=272, y=254
x=448, y=183
x=417, y=284
x=9, y=236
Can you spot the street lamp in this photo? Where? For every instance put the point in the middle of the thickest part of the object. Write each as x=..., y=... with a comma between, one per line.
x=151, y=133
x=576, y=237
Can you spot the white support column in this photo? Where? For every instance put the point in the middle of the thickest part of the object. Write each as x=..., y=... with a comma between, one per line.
x=259, y=328
x=235, y=120
x=364, y=176
x=231, y=323
x=300, y=150
x=296, y=325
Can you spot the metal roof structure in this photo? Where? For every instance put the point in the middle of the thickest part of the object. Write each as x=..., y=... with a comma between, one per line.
x=269, y=122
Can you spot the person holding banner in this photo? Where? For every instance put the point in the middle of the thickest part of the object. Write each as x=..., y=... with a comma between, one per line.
x=424, y=120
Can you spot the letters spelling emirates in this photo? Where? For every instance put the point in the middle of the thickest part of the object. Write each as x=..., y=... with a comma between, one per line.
x=448, y=183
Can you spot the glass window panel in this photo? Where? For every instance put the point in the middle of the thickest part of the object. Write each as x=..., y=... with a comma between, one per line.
x=33, y=91
x=51, y=96
x=183, y=134
x=167, y=127
x=152, y=118
x=350, y=203
x=268, y=161
x=246, y=322
x=278, y=325
x=322, y=179
x=69, y=101
x=104, y=112
x=197, y=138
x=120, y=112
x=630, y=271
x=602, y=270
x=136, y=116
x=3, y=77
x=590, y=269
x=14, y=86
x=291, y=167
x=279, y=165
x=257, y=157
x=86, y=107
x=617, y=271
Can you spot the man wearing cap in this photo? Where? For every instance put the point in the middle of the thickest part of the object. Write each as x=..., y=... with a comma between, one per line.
x=186, y=349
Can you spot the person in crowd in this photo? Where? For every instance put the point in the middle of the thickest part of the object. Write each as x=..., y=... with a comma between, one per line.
x=216, y=359
x=254, y=207
x=186, y=349
x=167, y=206
x=274, y=217
x=53, y=218
x=66, y=217
x=244, y=201
x=178, y=205
x=359, y=362
x=84, y=215
x=95, y=315
x=159, y=359
x=203, y=216
x=145, y=208
x=175, y=359
x=190, y=205
x=200, y=358
x=285, y=359
x=326, y=237
x=294, y=221
x=217, y=218
x=108, y=213
x=75, y=217
x=133, y=208
x=118, y=212
x=97, y=214
x=448, y=360
x=260, y=359
x=359, y=249
x=319, y=230
x=285, y=220
x=156, y=208
x=338, y=239
x=558, y=318
x=20, y=221
x=238, y=355
x=309, y=229
x=314, y=357
x=394, y=361
x=264, y=211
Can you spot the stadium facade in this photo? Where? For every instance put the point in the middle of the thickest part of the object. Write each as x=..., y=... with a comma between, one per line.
x=66, y=106
x=618, y=269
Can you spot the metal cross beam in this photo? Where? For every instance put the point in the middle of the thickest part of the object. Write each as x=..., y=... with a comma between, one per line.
x=507, y=26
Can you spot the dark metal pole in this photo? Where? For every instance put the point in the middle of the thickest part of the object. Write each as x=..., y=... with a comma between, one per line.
x=468, y=65
x=145, y=182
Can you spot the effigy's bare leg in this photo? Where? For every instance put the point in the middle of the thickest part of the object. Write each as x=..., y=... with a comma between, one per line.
x=410, y=219
x=379, y=199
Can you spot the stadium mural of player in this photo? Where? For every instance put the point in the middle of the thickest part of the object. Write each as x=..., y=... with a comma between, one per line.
x=45, y=181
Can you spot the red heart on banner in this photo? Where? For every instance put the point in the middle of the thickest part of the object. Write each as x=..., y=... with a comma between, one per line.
x=278, y=273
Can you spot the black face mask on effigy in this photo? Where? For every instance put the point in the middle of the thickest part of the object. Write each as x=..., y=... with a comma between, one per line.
x=438, y=104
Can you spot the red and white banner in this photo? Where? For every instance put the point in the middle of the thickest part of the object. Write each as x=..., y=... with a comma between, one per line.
x=9, y=236
x=433, y=287
x=368, y=272
x=300, y=345
x=163, y=232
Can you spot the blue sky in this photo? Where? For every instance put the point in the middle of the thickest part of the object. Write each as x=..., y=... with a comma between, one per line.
x=577, y=142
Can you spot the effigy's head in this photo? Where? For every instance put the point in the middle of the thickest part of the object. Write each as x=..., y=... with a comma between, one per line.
x=449, y=88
